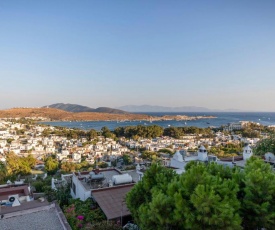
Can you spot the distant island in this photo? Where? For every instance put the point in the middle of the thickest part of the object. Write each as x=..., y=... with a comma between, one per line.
x=161, y=109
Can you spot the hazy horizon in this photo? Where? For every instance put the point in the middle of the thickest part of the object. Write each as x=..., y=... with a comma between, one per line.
x=222, y=110
x=212, y=54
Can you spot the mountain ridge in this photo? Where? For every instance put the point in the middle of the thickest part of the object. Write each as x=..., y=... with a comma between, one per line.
x=75, y=108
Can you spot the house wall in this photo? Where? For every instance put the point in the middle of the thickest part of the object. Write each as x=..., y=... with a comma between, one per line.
x=78, y=190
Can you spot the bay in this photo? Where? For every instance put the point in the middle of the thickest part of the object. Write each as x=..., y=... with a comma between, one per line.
x=222, y=118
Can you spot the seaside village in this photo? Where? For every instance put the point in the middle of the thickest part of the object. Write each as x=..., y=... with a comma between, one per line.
x=115, y=166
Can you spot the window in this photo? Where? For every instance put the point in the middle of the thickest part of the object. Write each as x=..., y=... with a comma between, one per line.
x=74, y=188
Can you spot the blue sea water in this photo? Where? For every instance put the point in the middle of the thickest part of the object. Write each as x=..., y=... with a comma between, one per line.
x=264, y=118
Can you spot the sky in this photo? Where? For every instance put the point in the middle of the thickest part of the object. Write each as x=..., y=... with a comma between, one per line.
x=214, y=54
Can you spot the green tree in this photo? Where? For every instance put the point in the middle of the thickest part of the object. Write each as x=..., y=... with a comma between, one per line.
x=209, y=198
x=107, y=133
x=92, y=134
x=168, y=151
x=265, y=145
x=31, y=160
x=3, y=172
x=205, y=197
x=138, y=199
x=68, y=167
x=102, y=165
x=18, y=165
x=259, y=200
x=126, y=159
x=51, y=165
x=104, y=225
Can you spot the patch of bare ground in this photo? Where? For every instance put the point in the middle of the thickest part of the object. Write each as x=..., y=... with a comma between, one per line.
x=60, y=115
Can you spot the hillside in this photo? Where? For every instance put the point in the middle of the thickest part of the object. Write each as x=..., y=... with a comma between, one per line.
x=56, y=114
x=74, y=108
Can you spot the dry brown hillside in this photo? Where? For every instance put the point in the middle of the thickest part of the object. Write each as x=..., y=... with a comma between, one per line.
x=56, y=114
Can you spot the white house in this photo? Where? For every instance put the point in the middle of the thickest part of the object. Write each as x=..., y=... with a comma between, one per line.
x=247, y=152
x=84, y=183
x=177, y=161
x=3, y=143
x=50, y=149
x=202, y=154
x=76, y=157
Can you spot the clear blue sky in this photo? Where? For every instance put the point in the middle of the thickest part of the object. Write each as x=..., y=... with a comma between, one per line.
x=215, y=54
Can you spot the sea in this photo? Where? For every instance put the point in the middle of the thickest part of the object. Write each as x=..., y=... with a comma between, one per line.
x=222, y=118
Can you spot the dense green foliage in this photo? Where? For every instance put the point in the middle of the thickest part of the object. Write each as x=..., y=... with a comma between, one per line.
x=168, y=151
x=258, y=202
x=127, y=159
x=177, y=132
x=153, y=131
x=205, y=197
x=150, y=155
x=139, y=131
x=3, y=172
x=103, y=225
x=16, y=165
x=102, y=165
x=265, y=145
x=107, y=133
x=226, y=150
x=51, y=165
x=87, y=210
x=69, y=167
x=70, y=133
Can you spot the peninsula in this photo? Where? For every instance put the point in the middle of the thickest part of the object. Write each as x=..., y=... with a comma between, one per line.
x=52, y=114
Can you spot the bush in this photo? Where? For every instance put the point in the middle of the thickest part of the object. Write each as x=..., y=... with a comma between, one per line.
x=103, y=165
x=104, y=225
x=81, y=213
x=39, y=186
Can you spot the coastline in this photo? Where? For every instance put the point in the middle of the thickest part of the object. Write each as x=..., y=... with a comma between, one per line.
x=162, y=118
x=55, y=115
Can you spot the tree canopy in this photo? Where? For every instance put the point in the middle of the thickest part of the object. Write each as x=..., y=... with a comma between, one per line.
x=16, y=165
x=51, y=165
x=205, y=197
x=265, y=145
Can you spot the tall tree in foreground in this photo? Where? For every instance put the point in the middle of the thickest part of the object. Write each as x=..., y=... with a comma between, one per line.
x=140, y=197
x=259, y=201
x=205, y=197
